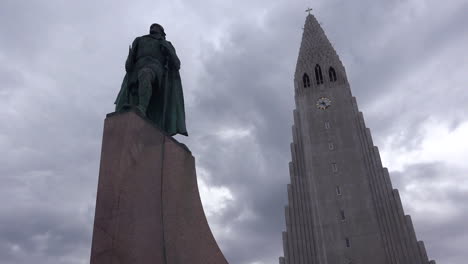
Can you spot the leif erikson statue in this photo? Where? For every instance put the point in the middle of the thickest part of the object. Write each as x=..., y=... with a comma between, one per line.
x=152, y=83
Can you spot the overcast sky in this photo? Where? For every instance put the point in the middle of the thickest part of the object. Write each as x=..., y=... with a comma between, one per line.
x=62, y=63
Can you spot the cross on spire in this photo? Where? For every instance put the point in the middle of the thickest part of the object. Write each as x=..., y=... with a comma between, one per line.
x=308, y=10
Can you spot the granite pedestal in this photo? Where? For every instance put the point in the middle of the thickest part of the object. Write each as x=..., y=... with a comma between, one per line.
x=148, y=209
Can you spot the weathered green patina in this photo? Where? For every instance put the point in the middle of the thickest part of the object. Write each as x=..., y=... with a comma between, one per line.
x=152, y=82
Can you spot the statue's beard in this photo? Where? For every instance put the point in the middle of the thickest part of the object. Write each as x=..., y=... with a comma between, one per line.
x=153, y=32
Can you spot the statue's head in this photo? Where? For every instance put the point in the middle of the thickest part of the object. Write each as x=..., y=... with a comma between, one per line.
x=157, y=29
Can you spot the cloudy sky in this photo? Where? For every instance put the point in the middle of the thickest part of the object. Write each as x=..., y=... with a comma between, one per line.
x=61, y=65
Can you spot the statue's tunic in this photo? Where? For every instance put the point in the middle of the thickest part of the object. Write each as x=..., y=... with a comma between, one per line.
x=153, y=81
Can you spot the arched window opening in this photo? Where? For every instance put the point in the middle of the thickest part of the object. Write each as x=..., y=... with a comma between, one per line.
x=332, y=74
x=306, y=80
x=348, y=243
x=318, y=74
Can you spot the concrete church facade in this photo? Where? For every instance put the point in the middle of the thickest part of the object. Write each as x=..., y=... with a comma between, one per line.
x=342, y=208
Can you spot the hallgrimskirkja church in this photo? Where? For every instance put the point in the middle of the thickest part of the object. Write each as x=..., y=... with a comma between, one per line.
x=342, y=208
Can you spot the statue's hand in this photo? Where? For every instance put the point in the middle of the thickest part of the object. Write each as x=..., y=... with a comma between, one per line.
x=128, y=67
x=167, y=46
x=129, y=62
x=174, y=62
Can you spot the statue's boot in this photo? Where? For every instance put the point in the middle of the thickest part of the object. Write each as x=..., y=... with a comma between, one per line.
x=144, y=100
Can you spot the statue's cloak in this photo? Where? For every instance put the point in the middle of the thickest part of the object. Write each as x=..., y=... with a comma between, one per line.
x=166, y=107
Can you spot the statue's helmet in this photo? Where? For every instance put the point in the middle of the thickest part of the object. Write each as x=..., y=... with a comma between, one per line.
x=156, y=28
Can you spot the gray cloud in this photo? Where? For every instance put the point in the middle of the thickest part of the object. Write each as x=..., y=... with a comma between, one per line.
x=62, y=64
x=423, y=188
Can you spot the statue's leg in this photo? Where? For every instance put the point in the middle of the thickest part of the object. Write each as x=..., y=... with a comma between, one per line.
x=145, y=78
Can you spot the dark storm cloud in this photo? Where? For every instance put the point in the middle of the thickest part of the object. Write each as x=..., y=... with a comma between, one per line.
x=62, y=65
x=50, y=133
x=250, y=87
x=231, y=101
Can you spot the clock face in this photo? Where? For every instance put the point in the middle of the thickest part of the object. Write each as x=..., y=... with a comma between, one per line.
x=323, y=103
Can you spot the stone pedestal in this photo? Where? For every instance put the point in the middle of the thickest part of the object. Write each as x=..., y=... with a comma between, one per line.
x=148, y=209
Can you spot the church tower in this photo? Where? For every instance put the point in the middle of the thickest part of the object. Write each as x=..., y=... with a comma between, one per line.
x=342, y=208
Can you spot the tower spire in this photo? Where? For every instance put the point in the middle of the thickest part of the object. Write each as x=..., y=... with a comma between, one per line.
x=315, y=48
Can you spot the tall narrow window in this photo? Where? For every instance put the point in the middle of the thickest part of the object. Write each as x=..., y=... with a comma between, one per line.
x=334, y=167
x=318, y=74
x=348, y=243
x=342, y=215
x=332, y=74
x=338, y=190
x=327, y=125
x=306, y=80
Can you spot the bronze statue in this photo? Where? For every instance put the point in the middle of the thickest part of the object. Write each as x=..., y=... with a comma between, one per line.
x=152, y=82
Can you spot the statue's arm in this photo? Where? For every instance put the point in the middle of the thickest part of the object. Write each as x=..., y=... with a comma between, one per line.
x=174, y=61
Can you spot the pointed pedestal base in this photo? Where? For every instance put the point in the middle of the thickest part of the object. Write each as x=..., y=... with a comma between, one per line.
x=148, y=209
